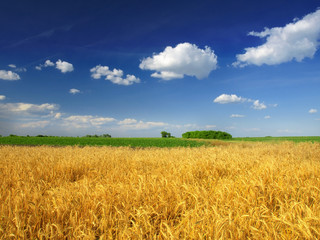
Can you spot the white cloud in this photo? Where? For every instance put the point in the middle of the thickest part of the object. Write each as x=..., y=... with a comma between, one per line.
x=37, y=124
x=27, y=108
x=97, y=121
x=184, y=59
x=267, y=117
x=74, y=91
x=210, y=126
x=258, y=106
x=20, y=69
x=232, y=98
x=134, y=124
x=48, y=63
x=64, y=66
x=225, y=98
x=296, y=40
x=8, y=75
x=115, y=76
x=17, y=69
x=312, y=110
x=2, y=97
x=85, y=121
x=166, y=75
x=237, y=116
x=127, y=121
x=57, y=115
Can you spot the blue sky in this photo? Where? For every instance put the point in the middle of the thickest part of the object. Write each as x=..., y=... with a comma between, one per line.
x=136, y=68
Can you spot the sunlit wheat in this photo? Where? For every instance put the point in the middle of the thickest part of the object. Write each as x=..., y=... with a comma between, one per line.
x=235, y=191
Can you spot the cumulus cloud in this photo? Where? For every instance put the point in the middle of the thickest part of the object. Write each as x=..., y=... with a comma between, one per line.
x=225, y=98
x=236, y=116
x=115, y=76
x=258, y=106
x=312, y=110
x=184, y=59
x=12, y=66
x=2, y=97
x=296, y=40
x=232, y=98
x=48, y=63
x=8, y=75
x=74, y=91
x=64, y=66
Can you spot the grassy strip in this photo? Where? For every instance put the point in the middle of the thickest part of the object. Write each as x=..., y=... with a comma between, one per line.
x=279, y=139
x=84, y=141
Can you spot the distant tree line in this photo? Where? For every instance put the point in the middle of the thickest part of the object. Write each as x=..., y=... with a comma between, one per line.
x=40, y=135
x=207, y=135
x=99, y=136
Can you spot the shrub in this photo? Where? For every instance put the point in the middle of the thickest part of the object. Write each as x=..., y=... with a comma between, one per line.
x=207, y=135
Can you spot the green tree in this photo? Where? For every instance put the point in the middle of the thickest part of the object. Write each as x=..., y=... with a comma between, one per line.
x=165, y=134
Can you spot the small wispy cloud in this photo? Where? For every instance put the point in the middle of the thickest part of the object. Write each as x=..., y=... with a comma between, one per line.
x=2, y=97
x=210, y=126
x=141, y=125
x=74, y=91
x=36, y=124
x=267, y=117
x=86, y=121
x=233, y=98
x=236, y=116
x=313, y=110
x=127, y=121
x=27, y=109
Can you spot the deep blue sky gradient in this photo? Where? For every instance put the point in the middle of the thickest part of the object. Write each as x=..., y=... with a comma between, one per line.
x=120, y=34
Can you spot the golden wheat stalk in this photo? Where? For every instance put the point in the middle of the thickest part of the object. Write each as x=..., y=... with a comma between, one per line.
x=236, y=191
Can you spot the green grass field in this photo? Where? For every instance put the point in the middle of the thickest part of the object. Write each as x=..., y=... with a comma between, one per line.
x=91, y=141
x=137, y=142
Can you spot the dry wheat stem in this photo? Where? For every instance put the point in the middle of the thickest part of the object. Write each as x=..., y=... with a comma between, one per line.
x=236, y=191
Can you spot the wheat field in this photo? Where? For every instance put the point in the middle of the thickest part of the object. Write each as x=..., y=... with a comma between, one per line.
x=232, y=191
